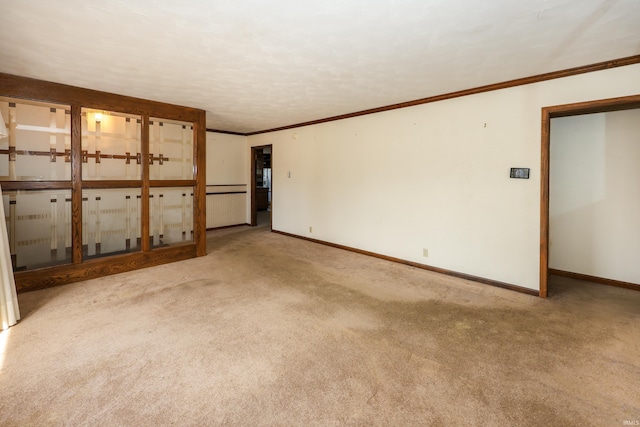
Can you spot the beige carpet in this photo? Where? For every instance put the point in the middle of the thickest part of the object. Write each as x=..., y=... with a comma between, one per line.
x=271, y=330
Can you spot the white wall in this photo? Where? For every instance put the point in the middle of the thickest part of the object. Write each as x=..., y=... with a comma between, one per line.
x=226, y=159
x=431, y=176
x=227, y=169
x=594, y=213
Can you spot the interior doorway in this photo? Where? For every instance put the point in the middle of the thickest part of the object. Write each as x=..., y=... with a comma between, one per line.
x=261, y=185
x=600, y=106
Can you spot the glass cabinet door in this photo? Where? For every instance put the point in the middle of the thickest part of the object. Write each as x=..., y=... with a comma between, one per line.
x=39, y=227
x=111, y=145
x=39, y=143
x=171, y=216
x=170, y=149
x=111, y=221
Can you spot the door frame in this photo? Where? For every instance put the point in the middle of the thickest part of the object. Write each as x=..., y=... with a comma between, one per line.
x=548, y=113
x=254, y=207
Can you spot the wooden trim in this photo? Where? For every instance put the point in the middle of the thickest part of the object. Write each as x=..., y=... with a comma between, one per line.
x=254, y=211
x=589, y=107
x=598, y=106
x=418, y=265
x=32, y=280
x=173, y=183
x=228, y=132
x=594, y=279
x=104, y=184
x=630, y=60
x=39, y=90
x=145, y=204
x=227, y=192
x=226, y=185
x=227, y=226
x=271, y=210
x=87, y=185
x=35, y=185
x=199, y=196
x=76, y=180
x=544, y=204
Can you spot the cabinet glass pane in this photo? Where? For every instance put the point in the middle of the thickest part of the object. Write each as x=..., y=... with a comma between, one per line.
x=37, y=148
x=39, y=227
x=170, y=149
x=110, y=145
x=171, y=215
x=110, y=222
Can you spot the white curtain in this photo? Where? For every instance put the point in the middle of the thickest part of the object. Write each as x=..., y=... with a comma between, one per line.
x=9, y=312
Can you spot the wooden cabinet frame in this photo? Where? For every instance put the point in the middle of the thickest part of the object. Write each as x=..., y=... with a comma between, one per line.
x=12, y=86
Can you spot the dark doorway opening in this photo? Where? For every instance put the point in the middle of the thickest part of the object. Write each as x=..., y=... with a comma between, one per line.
x=261, y=185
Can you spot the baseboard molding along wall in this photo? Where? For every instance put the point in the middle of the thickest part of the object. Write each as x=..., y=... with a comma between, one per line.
x=594, y=279
x=464, y=276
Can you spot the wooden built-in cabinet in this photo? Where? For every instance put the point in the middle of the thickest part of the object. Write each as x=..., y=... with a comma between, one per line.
x=96, y=183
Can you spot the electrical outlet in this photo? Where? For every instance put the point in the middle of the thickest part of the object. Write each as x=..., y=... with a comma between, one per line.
x=425, y=252
x=310, y=229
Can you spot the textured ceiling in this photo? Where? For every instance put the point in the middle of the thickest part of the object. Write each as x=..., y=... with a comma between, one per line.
x=260, y=64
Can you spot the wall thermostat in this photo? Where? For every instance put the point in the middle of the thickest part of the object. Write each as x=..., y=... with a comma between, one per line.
x=521, y=173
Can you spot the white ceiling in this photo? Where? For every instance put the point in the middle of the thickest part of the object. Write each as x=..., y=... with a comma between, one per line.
x=259, y=64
